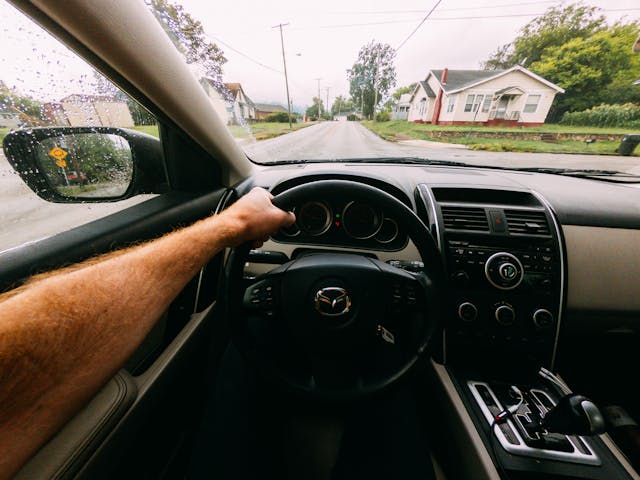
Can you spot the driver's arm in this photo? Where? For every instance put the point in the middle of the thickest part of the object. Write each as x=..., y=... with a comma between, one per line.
x=64, y=334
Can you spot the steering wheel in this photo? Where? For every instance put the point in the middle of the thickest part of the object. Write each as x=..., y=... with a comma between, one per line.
x=337, y=325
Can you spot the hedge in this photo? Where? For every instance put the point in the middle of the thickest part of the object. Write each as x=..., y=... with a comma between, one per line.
x=280, y=117
x=626, y=115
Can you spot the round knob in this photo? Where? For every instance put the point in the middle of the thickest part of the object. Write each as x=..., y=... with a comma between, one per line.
x=504, y=270
x=467, y=312
x=460, y=278
x=542, y=318
x=507, y=271
x=505, y=315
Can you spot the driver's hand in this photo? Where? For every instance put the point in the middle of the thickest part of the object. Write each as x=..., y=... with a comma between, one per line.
x=254, y=217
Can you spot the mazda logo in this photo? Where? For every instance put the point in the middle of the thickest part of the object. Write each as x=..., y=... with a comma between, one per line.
x=332, y=301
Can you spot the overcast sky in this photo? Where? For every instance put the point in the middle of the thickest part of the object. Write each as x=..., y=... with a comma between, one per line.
x=321, y=41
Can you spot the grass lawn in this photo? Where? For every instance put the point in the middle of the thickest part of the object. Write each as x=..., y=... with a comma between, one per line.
x=265, y=130
x=3, y=132
x=402, y=130
x=148, y=129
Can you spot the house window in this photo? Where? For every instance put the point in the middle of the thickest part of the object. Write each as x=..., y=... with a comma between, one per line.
x=486, y=104
x=477, y=102
x=423, y=106
x=532, y=104
x=469, y=104
x=452, y=103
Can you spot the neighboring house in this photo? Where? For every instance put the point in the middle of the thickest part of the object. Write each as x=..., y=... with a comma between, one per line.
x=401, y=110
x=90, y=111
x=243, y=107
x=515, y=96
x=263, y=110
x=230, y=102
x=9, y=119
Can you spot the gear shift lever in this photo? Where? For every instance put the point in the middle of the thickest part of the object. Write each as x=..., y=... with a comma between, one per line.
x=574, y=415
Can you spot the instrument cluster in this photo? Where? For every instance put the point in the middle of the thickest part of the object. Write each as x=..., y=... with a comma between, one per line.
x=346, y=223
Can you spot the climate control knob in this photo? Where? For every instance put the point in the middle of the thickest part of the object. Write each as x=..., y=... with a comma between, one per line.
x=467, y=312
x=505, y=315
x=542, y=318
x=504, y=271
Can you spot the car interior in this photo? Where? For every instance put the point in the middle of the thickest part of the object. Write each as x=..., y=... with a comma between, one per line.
x=504, y=303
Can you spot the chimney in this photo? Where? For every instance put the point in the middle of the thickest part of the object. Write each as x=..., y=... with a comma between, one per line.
x=445, y=72
x=438, y=105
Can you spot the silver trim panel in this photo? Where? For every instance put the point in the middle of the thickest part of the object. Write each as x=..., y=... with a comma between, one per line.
x=522, y=449
x=559, y=241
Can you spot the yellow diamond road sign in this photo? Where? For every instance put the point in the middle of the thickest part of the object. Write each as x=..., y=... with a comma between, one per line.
x=58, y=153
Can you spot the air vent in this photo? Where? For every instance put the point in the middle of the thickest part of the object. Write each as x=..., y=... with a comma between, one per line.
x=465, y=218
x=526, y=222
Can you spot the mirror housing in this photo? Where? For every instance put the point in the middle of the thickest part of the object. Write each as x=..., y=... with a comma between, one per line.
x=147, y=173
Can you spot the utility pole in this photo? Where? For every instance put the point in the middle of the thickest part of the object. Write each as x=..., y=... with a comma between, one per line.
x=375, y=89
x=286, y=78
x=319, y=100
x=326, y=108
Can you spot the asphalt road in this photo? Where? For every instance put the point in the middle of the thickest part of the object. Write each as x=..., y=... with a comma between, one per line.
x=25, y=217
x=341, y=140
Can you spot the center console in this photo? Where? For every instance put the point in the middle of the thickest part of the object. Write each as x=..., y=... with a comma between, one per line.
x=504, y=259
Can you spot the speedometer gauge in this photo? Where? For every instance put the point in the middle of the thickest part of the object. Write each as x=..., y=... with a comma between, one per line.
x=361, y=221
x=314, y=218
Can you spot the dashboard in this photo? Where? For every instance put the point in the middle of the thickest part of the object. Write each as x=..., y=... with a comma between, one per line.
x=518, y=247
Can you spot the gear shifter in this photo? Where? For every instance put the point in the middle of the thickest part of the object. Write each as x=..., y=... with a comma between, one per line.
x=574, y=415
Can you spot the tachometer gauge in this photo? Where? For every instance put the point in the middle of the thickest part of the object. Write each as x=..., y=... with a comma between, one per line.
x=361, y=221
x=314, y=218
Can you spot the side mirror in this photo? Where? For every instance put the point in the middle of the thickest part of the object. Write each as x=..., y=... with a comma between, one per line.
x=86, y=164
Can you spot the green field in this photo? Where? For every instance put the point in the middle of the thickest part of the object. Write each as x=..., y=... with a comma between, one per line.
x=403, y=130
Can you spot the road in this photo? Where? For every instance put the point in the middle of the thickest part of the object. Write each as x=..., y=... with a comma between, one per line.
x=25, y=217
x=336, y=140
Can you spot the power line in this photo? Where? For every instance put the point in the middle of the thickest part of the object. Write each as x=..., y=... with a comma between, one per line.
x=418, y=26
x=473, y=17
x=387, y=12
x=245, y=55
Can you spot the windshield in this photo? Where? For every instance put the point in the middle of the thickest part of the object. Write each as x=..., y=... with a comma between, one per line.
x=507, y=83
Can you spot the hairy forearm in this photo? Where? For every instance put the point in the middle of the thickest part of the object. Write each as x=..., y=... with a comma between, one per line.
x=64, y=335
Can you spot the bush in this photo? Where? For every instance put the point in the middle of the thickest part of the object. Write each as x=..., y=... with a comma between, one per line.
x=383, y=117
x=352, y=117
x=280, y=117
x=626, y=115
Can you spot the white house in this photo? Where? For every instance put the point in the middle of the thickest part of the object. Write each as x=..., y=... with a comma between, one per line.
x=401, y=110
x=515, y=96
x=80, y=110
x=230, y=102
x=9, y=119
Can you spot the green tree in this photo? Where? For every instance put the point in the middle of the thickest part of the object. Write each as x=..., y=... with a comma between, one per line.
x=14, y=101
x=557, y=26
x=372, y=76
x=341, y=104
x=312, y=111
x=598, y=69
x=189, y=37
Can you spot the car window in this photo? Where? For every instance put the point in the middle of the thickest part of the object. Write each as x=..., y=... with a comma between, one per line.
x=43, y=83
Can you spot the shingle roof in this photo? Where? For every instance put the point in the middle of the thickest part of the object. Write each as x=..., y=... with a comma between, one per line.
x=427, y=88
x=267, y=107
x=457, y=79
